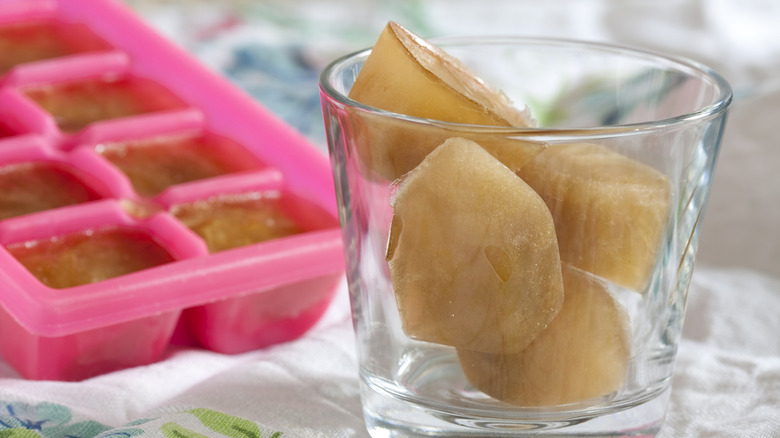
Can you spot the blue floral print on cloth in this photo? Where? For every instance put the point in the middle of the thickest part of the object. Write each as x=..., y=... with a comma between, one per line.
x=21, y=420
x=51, y=420
x=282, y=79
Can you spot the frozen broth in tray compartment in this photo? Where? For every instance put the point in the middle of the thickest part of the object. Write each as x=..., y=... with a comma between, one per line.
x=37, y=186
x=153, y=165
x=75, y=104
x=30, y=41
x=90, y=256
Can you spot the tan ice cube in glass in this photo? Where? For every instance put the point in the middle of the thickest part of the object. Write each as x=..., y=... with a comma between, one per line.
x=407, y=75
x=610, y=211
x=473, y=257
x=582, y=354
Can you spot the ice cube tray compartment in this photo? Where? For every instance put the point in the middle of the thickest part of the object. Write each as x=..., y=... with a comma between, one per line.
x=35, y=177
x=154, y=164
x=45, y=334
x=246, y=296
x=65, y=97
x=31, y=34
x=62, y=311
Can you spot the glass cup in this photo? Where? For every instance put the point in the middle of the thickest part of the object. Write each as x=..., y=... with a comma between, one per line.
x=451, y=337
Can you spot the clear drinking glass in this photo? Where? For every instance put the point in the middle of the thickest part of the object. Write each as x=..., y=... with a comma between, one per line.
x=623, y=154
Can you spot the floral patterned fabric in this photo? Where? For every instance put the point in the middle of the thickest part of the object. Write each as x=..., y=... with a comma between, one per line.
x=50, y=420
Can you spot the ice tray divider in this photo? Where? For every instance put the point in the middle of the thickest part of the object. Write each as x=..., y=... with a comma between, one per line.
x=29, y=10
x=20, y=114
x=140, y=127
x=27, y=148
x=68, y=68
x=237, y=183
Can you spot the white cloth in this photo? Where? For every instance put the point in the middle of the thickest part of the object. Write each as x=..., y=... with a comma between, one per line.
x=727, y=377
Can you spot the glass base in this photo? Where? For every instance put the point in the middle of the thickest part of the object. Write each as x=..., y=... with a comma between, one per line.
x=389, y=416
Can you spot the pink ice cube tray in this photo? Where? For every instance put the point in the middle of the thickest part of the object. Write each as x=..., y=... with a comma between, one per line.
x=94, y=77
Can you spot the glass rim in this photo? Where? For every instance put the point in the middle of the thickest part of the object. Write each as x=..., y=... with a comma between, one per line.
x=717, y=105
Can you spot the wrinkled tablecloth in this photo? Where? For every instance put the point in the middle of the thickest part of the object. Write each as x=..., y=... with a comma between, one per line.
x=727, y=380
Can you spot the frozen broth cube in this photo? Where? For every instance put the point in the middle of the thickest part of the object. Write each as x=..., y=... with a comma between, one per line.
x=227, y=222
x=76, y=104
x=155, y=164
x=32, y=187
x=610, y=211
x=407, y=75
x=582, y=354
x=472, y=252
x=89, y=257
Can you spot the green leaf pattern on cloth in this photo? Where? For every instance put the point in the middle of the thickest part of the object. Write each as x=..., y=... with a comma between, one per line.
x=173, y=430
x=51, y=420
x=233, y=427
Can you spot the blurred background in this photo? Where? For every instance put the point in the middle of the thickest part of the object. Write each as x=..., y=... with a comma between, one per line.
x=275, y=49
